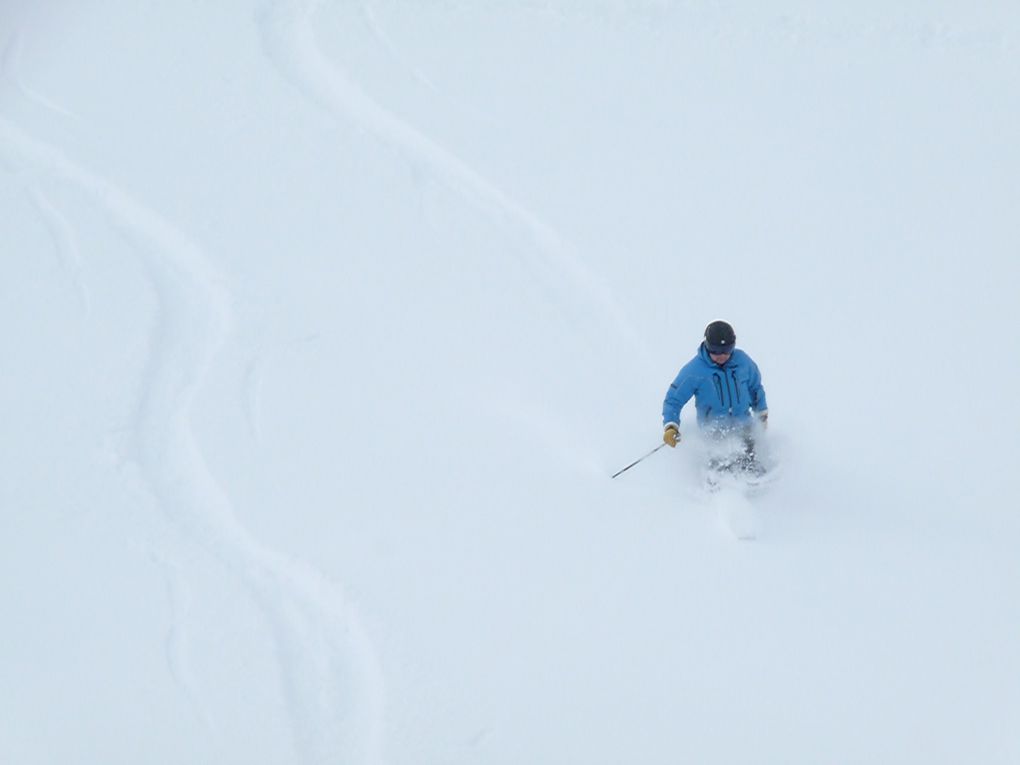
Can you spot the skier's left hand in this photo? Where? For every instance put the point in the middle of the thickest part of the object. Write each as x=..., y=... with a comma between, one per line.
x=763, y=417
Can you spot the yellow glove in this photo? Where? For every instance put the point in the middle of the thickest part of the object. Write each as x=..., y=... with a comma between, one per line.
x=671, y=434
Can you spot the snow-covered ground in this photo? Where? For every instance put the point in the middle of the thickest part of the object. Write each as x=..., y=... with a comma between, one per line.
x=324, y=324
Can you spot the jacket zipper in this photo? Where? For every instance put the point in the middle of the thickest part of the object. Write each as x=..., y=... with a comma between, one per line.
x=718, y=388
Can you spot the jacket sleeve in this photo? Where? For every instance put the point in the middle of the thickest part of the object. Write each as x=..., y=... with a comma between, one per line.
x=757, y=391
x=679, y=393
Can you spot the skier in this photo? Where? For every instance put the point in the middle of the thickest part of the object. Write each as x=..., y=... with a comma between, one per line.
x=728, y=395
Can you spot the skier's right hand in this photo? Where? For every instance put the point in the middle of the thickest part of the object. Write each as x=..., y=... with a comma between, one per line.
x=671, y=434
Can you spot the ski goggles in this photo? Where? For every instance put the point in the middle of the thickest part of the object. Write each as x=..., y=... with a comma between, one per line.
x=719, y=350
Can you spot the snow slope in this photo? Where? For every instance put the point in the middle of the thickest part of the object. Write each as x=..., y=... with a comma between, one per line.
x=324, y=325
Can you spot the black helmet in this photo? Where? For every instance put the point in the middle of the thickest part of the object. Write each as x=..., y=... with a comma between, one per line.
x=719, y=337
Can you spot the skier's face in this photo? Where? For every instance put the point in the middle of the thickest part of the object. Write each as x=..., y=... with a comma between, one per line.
x=720, y=358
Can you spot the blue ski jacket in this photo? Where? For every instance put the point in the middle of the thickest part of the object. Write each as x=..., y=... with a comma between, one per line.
x=724, y=396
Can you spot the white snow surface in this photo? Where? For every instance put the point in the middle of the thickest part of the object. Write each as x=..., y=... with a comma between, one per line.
x=324, y=324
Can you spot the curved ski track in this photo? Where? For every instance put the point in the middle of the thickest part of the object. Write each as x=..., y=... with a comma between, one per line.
x=12, y=69
x=289, y=40
x=329, y=667
x=65, y=242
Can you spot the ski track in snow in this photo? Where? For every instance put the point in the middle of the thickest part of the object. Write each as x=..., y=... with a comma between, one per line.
x=288, y=36
x=66, y=244
x=178, y=657
x=59, y=228
x=377, y=30
x=12, y=70
x=329, y=667
x=384, y=40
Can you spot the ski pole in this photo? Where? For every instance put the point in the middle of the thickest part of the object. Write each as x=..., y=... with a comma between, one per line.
x=653, y=451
